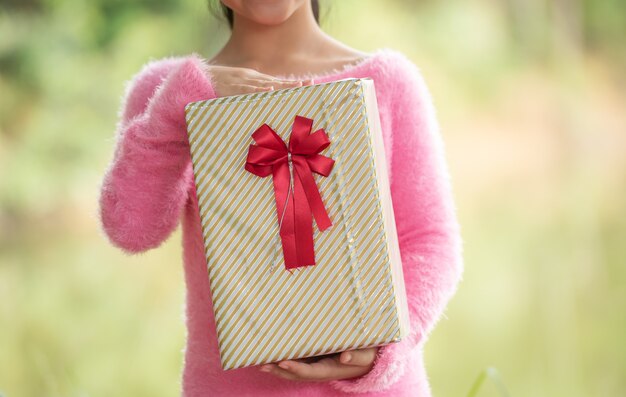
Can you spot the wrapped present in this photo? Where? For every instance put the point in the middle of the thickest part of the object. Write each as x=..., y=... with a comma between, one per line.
x=297, y=219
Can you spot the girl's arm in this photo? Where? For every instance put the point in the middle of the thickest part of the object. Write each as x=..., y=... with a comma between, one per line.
x=428, y=232
x=146, y=184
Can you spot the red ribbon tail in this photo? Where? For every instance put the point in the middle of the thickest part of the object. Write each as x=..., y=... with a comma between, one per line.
x=303, y=227
x=285, y=212
x=312, y=194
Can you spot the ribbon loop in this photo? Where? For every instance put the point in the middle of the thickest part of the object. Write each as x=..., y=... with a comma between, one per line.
x=298, y=203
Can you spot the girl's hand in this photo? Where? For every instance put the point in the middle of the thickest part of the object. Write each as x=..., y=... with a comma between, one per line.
x=228, y=80
x=345, y=365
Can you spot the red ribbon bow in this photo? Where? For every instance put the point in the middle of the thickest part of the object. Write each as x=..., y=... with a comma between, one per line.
x=271, y=156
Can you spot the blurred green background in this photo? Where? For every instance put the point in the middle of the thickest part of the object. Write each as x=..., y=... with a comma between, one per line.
x=531, y=97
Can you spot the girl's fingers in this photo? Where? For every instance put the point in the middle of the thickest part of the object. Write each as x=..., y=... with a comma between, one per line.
x=247, y=88
x=323, y=370
x=277, y=371
x=348, y=364
x=309, y=371
x=264, y=82
x=304, y=82
x=360, y=357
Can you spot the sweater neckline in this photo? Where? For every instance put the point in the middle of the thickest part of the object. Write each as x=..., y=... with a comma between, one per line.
x=345, y=68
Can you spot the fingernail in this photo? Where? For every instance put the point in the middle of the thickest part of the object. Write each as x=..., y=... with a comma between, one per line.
x=347, y=358
x=283, y=365
x=265, y=368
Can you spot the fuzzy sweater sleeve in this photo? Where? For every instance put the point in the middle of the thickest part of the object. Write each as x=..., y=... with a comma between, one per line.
x=148, y=180
x=428, y=231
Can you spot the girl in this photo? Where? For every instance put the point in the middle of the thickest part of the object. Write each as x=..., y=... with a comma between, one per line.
x=150, y=185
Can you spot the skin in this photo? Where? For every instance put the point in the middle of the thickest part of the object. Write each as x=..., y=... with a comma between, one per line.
x=275, y=37
x=281, y=37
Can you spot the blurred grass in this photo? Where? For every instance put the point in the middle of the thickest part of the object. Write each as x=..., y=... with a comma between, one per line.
x=489, y=373
x=531, y=100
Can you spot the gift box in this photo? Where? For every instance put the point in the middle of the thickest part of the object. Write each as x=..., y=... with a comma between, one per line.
x=297, y=219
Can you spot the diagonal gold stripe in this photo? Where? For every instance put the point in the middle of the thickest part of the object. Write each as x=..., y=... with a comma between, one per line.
x=299, y=106
x=250, y=108
x=263, y=326
x=219, y=234
x=322, y=306
x=209, y=151
x=326, y=342
x=360, y=339
x=225, y=104
x=339, y=301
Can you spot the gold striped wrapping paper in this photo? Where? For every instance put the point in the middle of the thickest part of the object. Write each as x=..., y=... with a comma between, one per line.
x=354, y=297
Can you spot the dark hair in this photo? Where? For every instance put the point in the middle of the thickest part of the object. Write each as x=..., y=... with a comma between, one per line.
x=228, y=13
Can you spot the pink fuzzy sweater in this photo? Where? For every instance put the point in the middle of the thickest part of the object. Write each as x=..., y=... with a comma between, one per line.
x=149, y=187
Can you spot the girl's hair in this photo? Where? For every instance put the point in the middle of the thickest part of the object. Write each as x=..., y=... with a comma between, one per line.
x=228, y=13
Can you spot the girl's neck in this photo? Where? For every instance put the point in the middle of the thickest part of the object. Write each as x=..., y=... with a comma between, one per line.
x=262, y=47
